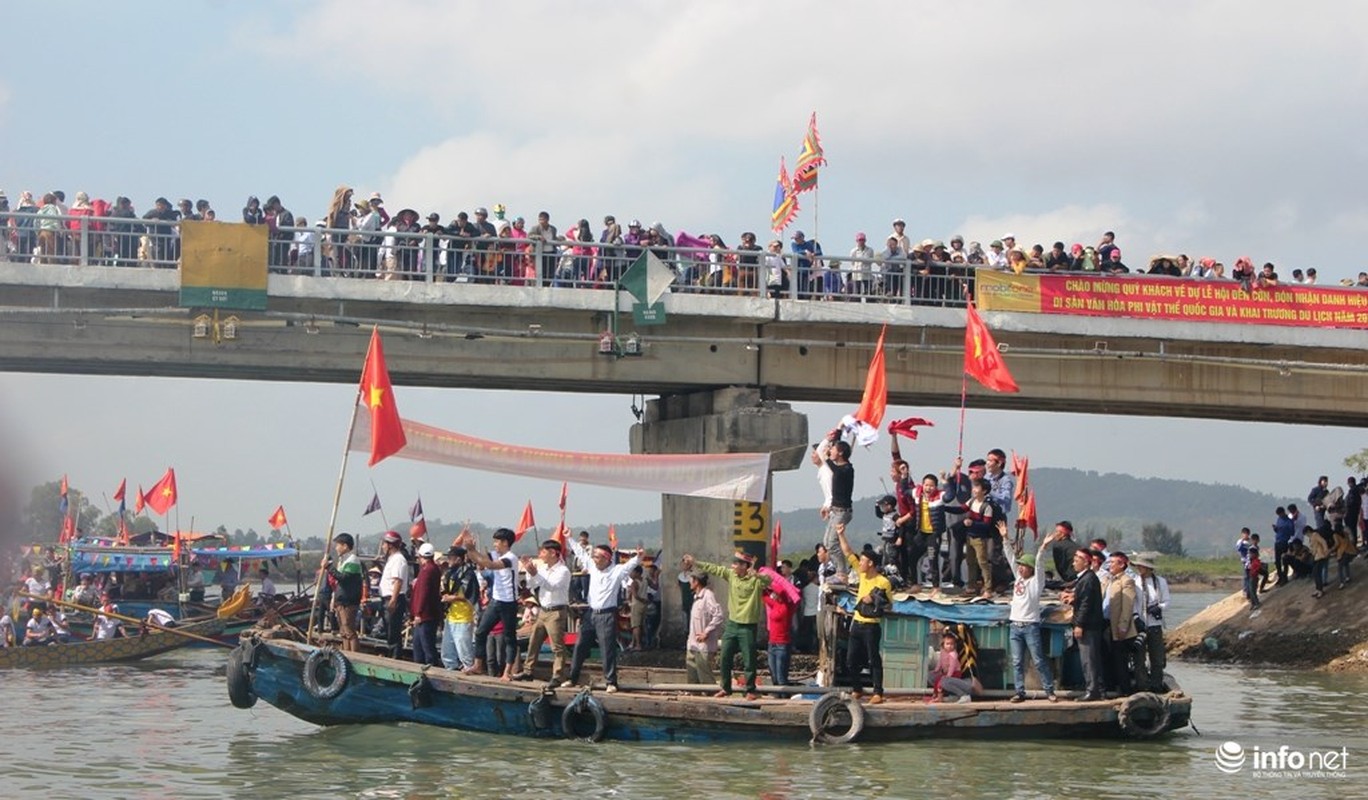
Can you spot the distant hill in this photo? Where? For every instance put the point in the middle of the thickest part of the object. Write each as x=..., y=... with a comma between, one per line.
x=1098, y=504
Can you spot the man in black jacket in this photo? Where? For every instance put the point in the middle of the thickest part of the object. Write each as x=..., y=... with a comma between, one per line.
x=1086, y=599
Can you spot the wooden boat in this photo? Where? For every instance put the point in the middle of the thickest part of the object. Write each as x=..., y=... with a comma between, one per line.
x=105, y=651
x=328, y=687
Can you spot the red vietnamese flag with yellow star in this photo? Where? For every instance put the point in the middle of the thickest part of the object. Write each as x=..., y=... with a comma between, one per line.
x=162, y=495
x=982, y=360
x=387, y=430
x=277, y=520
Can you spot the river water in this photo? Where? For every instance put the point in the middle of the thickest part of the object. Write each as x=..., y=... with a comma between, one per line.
x=164, y=728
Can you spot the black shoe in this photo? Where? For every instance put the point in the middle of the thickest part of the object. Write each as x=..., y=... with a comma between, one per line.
x=523, y=676
x=1090, y=698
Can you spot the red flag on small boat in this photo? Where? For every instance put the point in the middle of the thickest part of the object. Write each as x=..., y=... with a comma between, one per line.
x=277, y=520
x=162, y=495
x=387, y=430
x=526, y=522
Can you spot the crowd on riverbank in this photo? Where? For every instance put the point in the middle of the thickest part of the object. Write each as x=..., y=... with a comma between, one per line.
x=1336, y=531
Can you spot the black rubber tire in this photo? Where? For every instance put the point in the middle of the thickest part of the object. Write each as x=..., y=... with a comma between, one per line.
x=1143, y=715
x=581, y=705
x=822, y=709
x=330, y=658
x=239, y=675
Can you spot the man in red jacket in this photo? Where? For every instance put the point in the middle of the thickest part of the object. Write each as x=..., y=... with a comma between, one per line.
x=425, y=606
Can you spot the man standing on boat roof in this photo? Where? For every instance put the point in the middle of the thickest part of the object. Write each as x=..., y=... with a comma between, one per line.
x=745, y=589
x=837, y=460
x=503, y=594
x=461, y=593
x=425, y=605
x=1088, y=621
x=873, y=599
x=549, y=579
x=394, y=583
x=346, y=599
x=599, y=625
x=1025, y=620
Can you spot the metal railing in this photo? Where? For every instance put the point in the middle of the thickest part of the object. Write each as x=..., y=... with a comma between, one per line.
x=440, y=257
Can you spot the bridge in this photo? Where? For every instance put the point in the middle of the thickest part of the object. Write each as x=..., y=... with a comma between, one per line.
x=723, y=363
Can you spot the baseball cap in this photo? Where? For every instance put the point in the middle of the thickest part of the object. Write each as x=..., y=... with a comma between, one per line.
x=426, y=550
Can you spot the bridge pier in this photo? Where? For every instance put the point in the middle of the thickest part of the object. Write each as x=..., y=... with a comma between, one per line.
x=731, y=420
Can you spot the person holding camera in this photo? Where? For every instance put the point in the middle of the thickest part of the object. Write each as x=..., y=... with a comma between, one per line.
x=873, y=599
x=1155, y=590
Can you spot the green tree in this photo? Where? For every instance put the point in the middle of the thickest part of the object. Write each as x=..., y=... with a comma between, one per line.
x=1158, y=537
x=1358, y=462
x=42, y=517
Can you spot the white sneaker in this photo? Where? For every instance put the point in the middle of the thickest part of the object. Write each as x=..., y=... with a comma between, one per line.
x=928, y=585
x=964, y=698
x=611, y=689
x=947, y=585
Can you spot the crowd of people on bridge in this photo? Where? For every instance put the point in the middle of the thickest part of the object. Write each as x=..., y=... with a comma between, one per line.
x=359, y=238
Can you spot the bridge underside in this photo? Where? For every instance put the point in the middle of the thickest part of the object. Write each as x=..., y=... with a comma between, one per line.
x=792, y=351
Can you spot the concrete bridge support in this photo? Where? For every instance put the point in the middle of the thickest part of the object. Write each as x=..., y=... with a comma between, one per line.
x=732, y=420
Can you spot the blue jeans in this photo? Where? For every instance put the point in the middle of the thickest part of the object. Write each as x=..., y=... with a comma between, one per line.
x=425, y=642
x=1026, y=636
x=779, y=663
x=458, y=644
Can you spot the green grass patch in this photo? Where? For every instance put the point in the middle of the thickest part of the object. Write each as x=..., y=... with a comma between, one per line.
x=1190, y=568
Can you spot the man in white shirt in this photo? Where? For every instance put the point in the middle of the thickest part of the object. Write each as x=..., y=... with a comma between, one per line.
x=268, y=587
x=1155, y=591
x=1025, y=622
x=503, y=598
x=106, y=627
x=549, y=578
x=599, y=624
x=160, y=618
x=39, y=630
x=394, y=583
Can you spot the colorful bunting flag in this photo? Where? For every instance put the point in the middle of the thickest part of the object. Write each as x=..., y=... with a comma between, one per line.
x=809, y=159
x=785, y=201
x=162, y=495
x=982, y=361
x=387, y=430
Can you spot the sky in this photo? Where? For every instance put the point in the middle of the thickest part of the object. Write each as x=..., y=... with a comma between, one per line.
x=1208, y=128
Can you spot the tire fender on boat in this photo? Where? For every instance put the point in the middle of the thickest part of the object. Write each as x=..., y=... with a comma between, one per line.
x=240, y=677
x=539, y=713
x=330, y=658
x=1143, y=715
x=822, y=709
x=584, y=704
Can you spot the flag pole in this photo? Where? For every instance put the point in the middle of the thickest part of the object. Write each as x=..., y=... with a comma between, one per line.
x=964, y=399
x=332, y=519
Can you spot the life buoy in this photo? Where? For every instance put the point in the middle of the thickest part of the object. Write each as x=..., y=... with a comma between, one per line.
x=337, y=668
x=825, y=721
x=539, y=713
x=1143, y=715
x=420, y=693
x=581, y=705
x=240, y=678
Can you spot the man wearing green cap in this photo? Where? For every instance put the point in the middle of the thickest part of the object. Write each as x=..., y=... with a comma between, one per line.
x=1025, y=622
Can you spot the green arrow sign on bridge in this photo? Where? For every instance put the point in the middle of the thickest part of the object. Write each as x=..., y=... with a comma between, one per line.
x=647, y=279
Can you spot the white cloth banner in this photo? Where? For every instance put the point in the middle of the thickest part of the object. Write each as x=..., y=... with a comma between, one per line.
x=727, y=476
